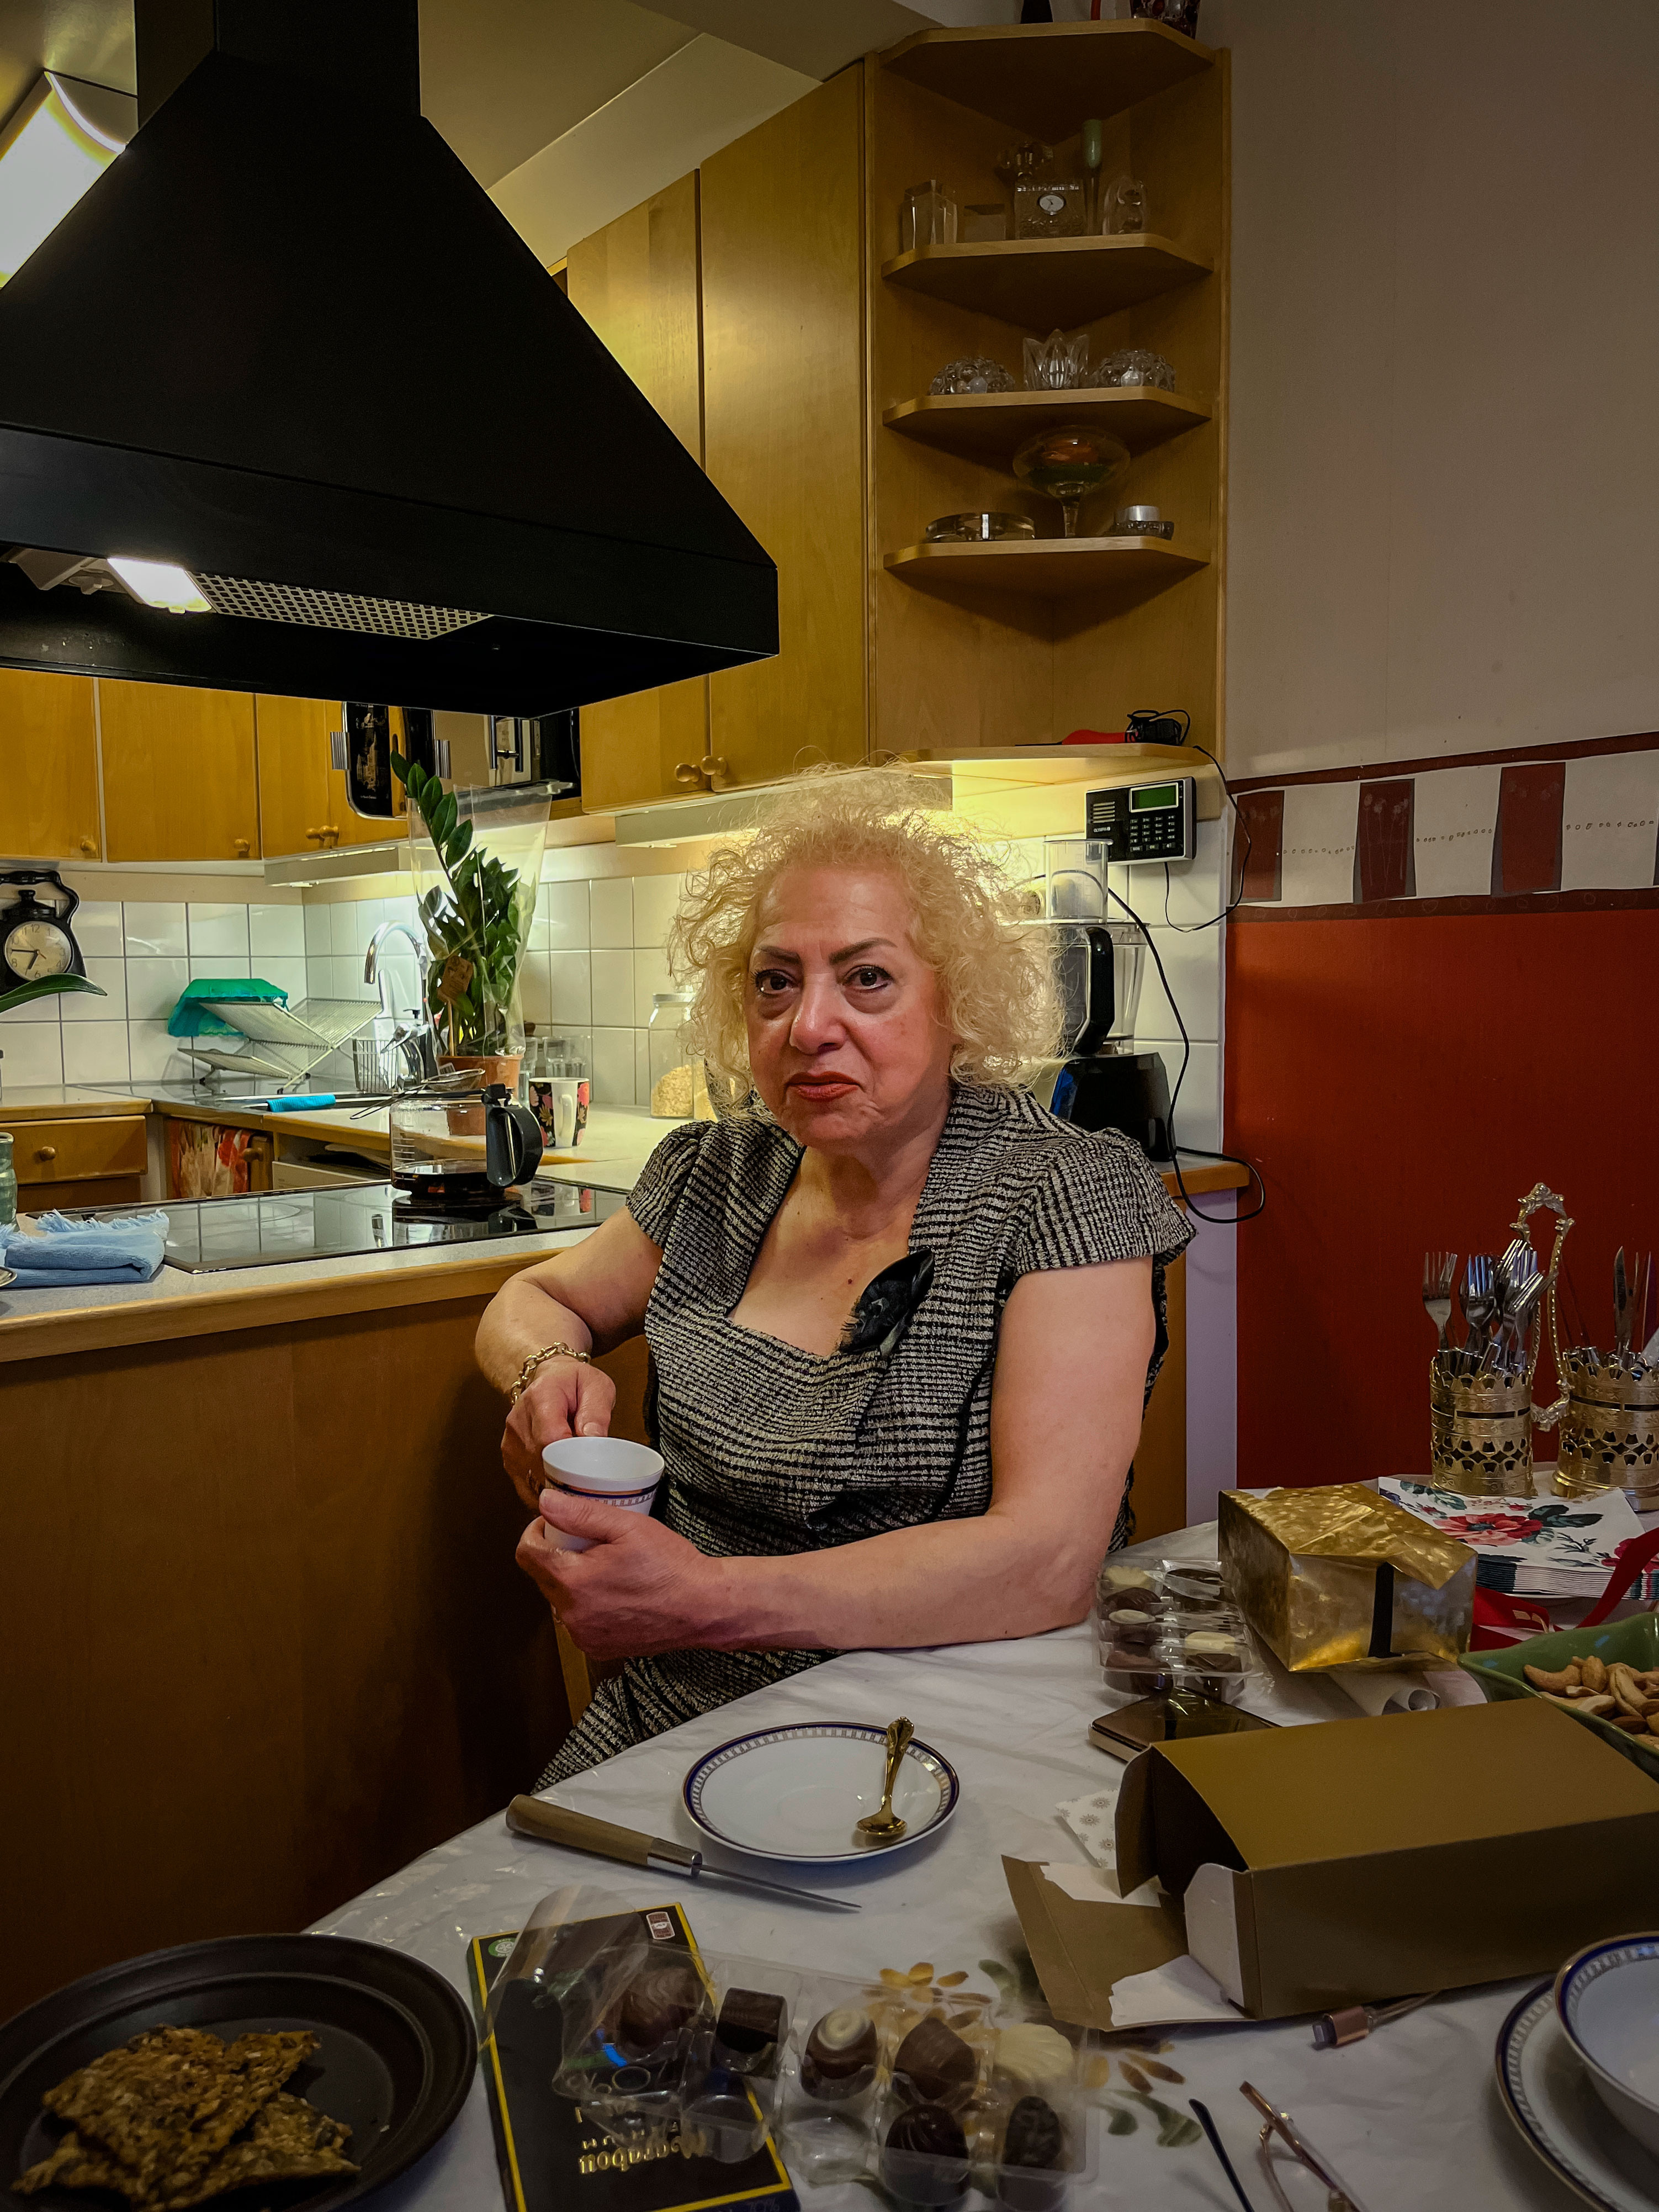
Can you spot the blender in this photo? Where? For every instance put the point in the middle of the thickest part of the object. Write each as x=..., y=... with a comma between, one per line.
x=1103, y=1083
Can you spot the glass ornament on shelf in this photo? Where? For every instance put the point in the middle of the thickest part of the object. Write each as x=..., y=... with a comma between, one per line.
x=1051, y=206
x=1070, y=462
x=927, y=217
x=977, y=373
x=1125, y=208
x=1022, y=164
x=1059, y=362
x=1133, y=365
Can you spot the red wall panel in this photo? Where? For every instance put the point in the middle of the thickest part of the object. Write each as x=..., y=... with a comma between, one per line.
x=1401, y=1082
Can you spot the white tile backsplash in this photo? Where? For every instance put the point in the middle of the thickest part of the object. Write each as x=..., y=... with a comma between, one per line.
x=564, y=913
x=651, y=976
x=155, y=1055
x=96, y=1052
x=655, y=899
x=154, y=929
x=111, y=977
x=277, y=929
x=320, y=939
x=287, y=975
x=612, y=974
x=1192, y=961
x=220, y=967
x=97, y=927
x=217, y=929
x=569, y=988
x=342, y=928
x=613, y=1067
x=34, y=1054
x=34, y=1010
x=1197, y=1110
x=154, y=989
x=611, y=899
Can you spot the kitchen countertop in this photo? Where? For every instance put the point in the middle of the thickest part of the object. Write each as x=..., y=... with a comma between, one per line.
x=53, y=1102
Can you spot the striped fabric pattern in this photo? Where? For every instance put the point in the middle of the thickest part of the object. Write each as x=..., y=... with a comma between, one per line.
x=769, y=1448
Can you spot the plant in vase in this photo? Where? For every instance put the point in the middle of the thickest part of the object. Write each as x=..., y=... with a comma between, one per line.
x=475, y=918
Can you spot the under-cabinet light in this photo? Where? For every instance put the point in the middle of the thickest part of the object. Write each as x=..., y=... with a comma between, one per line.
x=161, y=584
x=57, y=142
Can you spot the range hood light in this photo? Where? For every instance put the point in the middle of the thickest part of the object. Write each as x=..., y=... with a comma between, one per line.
x=161, y=584
x=56, y=143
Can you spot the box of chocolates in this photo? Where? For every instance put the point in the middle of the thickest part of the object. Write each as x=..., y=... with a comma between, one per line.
x=1170, y=1627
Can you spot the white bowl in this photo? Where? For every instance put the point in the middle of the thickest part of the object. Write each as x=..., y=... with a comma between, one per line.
x=1606, y=1999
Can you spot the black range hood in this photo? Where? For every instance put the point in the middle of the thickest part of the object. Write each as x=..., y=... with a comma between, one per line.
x=287, y=342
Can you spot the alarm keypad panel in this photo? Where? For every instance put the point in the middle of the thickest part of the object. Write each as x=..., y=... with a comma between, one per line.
x=1144, y=821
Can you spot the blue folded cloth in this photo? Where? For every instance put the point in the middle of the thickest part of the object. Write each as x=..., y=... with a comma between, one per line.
x=66, y=1253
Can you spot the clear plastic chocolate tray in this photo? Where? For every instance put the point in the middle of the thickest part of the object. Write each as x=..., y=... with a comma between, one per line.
x=937, y=2094
x=1169, y=1627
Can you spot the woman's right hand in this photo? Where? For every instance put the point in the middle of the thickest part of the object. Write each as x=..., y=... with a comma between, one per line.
x=568, y=1397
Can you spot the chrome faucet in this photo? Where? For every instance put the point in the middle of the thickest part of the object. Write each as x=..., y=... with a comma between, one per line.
x=414, y=1038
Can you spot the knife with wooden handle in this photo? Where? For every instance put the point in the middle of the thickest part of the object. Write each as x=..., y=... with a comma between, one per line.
x=580, y=1831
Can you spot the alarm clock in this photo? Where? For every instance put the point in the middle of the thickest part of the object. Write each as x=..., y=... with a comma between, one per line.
x=36, y=941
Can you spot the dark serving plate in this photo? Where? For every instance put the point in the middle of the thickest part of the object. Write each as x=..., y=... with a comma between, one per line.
x=395, y=2059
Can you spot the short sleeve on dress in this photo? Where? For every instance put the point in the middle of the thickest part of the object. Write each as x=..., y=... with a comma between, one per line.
x=1101, y=1200
x=655, y=1197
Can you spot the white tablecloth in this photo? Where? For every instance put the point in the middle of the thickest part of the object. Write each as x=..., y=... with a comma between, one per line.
x=1410, y=2117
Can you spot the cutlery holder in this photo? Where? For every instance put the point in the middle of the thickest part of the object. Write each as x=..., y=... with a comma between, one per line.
x=1609, y=1432
x=1479, y=1431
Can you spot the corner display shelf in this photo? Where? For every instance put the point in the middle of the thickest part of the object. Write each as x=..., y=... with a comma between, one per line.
x=1037, y=283
x=1111, y=570
x=987, y=426
x=1040, y=78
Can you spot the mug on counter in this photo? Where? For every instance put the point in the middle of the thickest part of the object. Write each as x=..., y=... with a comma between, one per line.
x=609, y=1469
x=560, y=1104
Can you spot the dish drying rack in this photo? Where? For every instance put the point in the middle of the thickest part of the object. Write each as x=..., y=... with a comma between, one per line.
x=284, y=1042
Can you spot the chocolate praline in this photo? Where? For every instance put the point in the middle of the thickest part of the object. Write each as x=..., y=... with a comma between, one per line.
x=655, y=2009
x=1139, y=1671
x=749, y=2030
x=1033, y=2149
x=924, y=2158
x=840, y=2059
x=934, y=2066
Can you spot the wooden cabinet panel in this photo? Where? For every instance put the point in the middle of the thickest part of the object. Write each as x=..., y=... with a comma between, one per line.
x=294, y=772
x=635, y=284
x=783, y=414
x=180, y=782
x=79, y=1152
x=49, y=792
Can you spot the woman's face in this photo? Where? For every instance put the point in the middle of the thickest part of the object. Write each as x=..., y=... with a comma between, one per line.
x=847, y=1039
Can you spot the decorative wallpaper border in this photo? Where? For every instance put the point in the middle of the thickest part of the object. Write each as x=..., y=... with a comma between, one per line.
x=1546, y=829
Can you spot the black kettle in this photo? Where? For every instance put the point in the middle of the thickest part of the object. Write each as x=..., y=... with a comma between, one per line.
x=512, y=1139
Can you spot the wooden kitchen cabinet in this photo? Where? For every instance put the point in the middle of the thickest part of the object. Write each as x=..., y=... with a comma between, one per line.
x=179, y=779
x=635, y=284
x=98, y=1160
x=783, y=413
x=49, y=741
x=303, y=807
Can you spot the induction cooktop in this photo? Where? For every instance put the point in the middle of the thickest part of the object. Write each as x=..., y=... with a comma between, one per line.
x=270, y=1228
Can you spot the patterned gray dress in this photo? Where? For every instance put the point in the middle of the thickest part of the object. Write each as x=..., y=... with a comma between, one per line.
x=769, y=1448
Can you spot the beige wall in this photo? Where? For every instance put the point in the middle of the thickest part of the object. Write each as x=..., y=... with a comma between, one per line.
x=1445, y=463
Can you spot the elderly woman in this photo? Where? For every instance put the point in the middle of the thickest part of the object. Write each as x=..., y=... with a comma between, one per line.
x=902, y=1321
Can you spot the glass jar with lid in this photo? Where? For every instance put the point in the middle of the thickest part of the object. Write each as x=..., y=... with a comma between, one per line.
x=674, y=1076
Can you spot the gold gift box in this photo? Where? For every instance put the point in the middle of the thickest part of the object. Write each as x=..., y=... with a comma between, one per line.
x=1341, y=1577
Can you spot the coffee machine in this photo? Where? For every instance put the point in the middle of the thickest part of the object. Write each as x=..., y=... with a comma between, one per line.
x=1103, y=1083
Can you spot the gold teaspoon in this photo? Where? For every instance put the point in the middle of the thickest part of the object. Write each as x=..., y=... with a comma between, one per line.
x=885, y=1825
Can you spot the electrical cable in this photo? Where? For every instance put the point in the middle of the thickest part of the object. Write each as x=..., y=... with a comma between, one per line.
x=1220, y=1221
x=1192, y=928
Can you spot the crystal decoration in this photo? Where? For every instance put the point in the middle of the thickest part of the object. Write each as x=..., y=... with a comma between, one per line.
x=1132, y=365
x=1059, y=362
x=975, y=374
x=1070, y=462
x=1125, y=208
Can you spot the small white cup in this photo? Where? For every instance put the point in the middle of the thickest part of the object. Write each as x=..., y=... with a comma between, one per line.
x=608, y=1468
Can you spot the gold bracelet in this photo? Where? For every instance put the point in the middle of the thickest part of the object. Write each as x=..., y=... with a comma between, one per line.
x=527, y=1372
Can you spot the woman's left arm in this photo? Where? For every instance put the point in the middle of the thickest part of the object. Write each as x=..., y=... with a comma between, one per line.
x=1066, y=1407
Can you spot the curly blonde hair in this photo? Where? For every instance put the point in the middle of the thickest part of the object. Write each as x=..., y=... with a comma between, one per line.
x=995, y=978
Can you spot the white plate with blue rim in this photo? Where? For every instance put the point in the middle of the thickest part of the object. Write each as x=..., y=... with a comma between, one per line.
x=1548, y=2093
x=798, y=1793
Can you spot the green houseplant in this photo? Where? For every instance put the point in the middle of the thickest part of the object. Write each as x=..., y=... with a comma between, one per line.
x=477, y=869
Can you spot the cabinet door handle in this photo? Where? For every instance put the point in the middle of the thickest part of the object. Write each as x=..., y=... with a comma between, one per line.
x=243, y=848
x=317, y=834
x=45, y=1153
x=690, y=775
x=89, y=844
